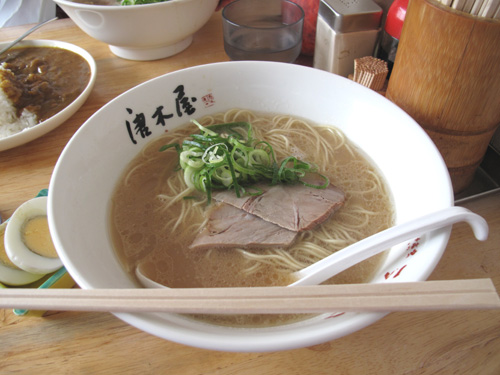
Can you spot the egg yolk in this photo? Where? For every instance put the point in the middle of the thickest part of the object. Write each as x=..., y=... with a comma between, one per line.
x=4, y=259
x=36, y=237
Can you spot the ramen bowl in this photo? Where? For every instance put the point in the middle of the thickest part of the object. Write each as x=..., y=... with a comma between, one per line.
x=142, y=32
x=88, y=169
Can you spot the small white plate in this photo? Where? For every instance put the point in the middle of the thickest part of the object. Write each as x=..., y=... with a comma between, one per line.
x=51, y=123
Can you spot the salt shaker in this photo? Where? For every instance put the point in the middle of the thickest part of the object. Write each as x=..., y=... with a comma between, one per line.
x=345, y=30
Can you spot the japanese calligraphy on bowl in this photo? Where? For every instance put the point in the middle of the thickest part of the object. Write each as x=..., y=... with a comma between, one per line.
x=180, y=105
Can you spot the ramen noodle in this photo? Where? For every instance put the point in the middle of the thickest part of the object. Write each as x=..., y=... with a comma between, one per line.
x=152, y=224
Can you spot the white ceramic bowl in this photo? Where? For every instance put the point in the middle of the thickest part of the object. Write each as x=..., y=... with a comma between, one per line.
x=46, y=126
x=95, y=157
x=142, y=32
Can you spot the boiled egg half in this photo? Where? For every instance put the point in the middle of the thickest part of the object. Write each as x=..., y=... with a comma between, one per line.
x=28, y=243
x=10, y=274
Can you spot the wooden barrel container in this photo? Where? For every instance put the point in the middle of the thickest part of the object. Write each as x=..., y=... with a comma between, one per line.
x=447, y=77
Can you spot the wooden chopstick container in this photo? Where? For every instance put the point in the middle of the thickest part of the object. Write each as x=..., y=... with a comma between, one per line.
x=447, y=77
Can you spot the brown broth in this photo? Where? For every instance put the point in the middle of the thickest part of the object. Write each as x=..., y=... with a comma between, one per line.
x=140, y=235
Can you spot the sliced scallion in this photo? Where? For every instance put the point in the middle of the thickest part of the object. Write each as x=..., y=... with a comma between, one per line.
x=226, y=156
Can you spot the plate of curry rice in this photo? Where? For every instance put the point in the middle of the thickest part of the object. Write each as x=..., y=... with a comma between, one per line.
x=42, y=84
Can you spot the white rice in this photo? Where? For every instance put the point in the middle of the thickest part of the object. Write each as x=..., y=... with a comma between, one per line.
x=9, y=122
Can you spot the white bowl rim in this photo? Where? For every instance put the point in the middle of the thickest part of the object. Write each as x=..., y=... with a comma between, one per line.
x=109, y=8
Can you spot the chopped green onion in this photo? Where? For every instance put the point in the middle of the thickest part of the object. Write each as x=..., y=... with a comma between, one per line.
x=226, y=156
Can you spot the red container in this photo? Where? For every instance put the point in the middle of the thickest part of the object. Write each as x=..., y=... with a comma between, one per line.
x=310, y=8
x=392, y=32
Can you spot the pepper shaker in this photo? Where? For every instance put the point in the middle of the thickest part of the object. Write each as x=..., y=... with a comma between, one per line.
x=345, y=30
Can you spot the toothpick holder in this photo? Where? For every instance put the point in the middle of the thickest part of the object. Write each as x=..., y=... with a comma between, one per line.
x=447, y=77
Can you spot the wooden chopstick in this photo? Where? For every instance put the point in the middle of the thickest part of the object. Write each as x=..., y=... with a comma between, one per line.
x=480, y=8
x=384, y=297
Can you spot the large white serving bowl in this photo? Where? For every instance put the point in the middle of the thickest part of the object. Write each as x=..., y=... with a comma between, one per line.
x=142, y=32
x=94, y=159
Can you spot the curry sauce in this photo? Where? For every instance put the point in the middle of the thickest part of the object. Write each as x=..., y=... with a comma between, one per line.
x=44, y=80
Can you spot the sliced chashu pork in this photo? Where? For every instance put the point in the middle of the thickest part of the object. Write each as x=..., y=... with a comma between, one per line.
x=293, y=207
x=230, y=227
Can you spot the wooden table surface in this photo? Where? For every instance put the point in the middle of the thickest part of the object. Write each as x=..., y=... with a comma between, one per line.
x=454, y=342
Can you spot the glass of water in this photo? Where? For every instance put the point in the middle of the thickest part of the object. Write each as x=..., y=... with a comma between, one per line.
x=269, y=30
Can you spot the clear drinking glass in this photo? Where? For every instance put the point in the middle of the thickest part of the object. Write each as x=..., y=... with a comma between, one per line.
x=268, y=30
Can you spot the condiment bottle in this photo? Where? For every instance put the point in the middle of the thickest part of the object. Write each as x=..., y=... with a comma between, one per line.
x=310, y=8
x=388, y=45
x=345, y=30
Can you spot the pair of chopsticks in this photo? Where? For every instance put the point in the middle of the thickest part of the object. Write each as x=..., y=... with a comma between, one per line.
x=476, y=294
x=480, y=8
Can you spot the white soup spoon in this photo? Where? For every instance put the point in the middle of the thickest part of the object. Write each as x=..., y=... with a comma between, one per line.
x=370, y=246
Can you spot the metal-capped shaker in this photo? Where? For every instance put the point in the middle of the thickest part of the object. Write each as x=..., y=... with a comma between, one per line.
x=346, y=30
